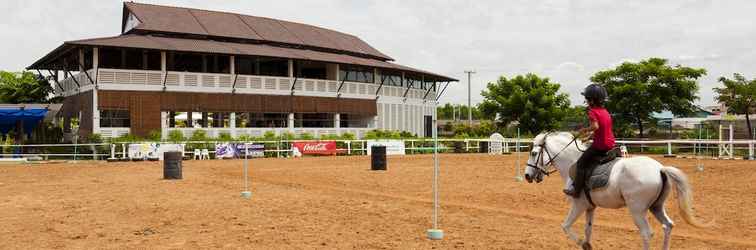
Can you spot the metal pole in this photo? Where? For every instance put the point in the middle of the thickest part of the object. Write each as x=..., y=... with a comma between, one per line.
x=435, y=233
x=469, y=91
x=517, y=152
x=246, y=193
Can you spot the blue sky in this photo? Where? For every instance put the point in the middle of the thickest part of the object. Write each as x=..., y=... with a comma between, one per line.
x=565, y=40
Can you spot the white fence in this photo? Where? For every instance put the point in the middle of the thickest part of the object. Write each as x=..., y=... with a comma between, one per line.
x=281, y=148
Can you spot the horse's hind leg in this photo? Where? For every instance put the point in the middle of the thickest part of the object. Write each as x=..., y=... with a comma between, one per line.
x=588, y=228
x=661, y=215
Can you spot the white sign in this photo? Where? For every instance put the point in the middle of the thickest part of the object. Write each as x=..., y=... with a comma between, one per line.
x=496, y=144
x=393, y=147
x=143, y=151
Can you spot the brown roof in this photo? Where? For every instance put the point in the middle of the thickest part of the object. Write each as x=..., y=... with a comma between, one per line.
x=157, y=18
x=209, y=46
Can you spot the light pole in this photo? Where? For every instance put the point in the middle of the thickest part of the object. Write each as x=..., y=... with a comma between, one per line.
x=469, y=91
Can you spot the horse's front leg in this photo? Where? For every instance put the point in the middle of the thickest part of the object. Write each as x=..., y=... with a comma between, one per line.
x=575, y=210
x=588, y=228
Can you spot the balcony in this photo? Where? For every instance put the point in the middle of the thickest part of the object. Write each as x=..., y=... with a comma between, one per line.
x=147, y=80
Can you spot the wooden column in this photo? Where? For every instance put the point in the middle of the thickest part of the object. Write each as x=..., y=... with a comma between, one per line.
x=291, y=67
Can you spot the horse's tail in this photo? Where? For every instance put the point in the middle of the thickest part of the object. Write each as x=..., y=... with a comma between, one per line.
x=684, y=195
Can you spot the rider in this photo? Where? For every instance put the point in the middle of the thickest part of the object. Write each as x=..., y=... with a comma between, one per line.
x=603, y=139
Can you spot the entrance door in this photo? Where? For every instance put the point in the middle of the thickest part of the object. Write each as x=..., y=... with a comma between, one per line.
x=428, y=126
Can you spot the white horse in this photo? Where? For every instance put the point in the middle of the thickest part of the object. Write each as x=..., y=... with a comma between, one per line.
x=635, y=182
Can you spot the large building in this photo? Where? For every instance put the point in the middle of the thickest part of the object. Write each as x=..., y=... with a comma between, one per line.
x=188, y=69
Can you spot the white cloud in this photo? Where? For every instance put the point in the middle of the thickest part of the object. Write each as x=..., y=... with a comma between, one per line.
x=570, y=66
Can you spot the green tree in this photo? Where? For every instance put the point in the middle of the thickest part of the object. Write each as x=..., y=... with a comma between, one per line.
x=575, y=118
x=448, y=111
x=636, y=90
x=531, y=100
x=23, y=87
x=739, y=95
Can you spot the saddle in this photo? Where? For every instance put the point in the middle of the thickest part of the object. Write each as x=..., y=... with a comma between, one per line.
x=598, y=177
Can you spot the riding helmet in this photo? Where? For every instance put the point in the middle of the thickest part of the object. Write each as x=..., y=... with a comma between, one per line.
x=595, y=92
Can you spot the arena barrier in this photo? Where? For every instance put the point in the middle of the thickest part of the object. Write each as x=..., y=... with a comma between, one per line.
x=713, y=149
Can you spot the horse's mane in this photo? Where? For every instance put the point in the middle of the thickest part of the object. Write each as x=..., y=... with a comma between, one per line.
x=540, y=137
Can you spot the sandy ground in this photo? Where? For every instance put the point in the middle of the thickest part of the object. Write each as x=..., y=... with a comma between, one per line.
x=337, y=202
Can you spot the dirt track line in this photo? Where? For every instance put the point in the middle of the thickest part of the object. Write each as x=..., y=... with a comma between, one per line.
x=499, y=210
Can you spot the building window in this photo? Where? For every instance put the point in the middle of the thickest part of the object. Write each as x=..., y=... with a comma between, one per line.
x=114, y=118
x=119, y=58
x=201, y=63
x=313, y=120
x=310, y=69
x=354, y=121
x=356, y=73
x=391, y=78
x=262, y=120
x=88, y=56
x=415, y=81
x=218, y=120
x=259, y=65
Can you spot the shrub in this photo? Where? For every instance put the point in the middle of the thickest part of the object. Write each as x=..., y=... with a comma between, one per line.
x=127, y=138
x=155, y=135
x=93, y=138
x=176, y=136
x=269, y=136
x=348, y=136
x=306, y=136
x=225, y=137
x=199, y=135
x=287, y=136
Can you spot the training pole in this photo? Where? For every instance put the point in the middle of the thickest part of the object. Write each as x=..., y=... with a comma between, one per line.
x=246, y=194
x=435, y=233
x=697, y=150
x=518, y=177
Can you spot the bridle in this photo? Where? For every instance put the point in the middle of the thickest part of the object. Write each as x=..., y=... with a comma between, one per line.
x=543, y=148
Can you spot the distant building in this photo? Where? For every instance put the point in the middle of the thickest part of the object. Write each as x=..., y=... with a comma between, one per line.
x=181, y=69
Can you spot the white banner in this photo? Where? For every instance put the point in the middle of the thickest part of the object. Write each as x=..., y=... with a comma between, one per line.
x=143, y=151
x=393, y=147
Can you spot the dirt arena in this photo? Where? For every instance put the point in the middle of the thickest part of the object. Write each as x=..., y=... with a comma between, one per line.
x=337, y=203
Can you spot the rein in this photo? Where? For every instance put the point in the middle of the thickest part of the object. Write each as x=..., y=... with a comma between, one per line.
x=543, y=149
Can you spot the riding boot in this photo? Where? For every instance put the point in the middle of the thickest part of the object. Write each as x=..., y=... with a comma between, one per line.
x=577, y=184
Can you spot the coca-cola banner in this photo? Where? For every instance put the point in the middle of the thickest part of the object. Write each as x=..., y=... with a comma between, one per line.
x=315, y=148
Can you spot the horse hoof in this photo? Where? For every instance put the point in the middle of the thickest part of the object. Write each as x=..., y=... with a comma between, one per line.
x=587, y=246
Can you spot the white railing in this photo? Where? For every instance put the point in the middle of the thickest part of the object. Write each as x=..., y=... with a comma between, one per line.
x=281, y=147
x=69, y=84
x=120, y=79
x=113, y=132
x=259, y=132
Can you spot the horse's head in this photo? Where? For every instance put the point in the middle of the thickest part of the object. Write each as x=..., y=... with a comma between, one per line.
x=546, y=148
x=536, y=165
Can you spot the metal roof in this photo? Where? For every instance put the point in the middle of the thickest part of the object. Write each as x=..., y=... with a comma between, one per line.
x=168, y=19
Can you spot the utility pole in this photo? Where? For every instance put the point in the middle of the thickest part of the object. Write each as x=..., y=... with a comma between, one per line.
x=469, y=103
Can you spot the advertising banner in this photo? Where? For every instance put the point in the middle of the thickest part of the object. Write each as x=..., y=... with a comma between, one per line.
x=225, y=151
x=254, y=150
x=315, y=148
x=393, y=147
x=143, y=151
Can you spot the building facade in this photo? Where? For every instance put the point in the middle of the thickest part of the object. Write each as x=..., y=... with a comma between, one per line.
x=181, y=69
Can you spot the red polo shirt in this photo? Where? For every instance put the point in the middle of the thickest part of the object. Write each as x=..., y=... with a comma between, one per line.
x=603, y=138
